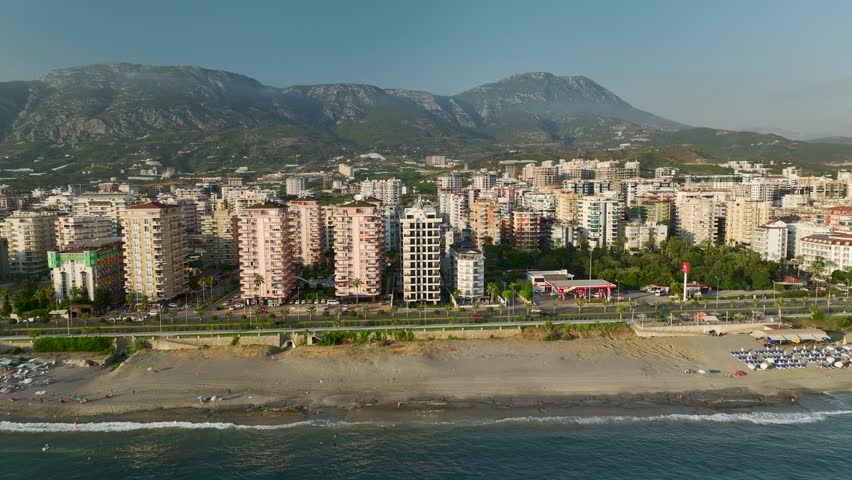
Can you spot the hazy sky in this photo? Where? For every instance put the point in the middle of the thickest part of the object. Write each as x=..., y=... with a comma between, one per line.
x=729, y=64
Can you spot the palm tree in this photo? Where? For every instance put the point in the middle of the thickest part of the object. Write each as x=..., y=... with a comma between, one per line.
x=448, y=308
x=258, y=281
x=420, y=309
x=394, y=321
x=173, y=316
x=229, y=314
x=779, y=303
x=507, y=295
x=620, y=309
x=365, y=310
x=457, y=294
x=452, y=320
x=311, y=311
x=356, y=284
x=555, y=305
x=580, y=304
x=493, y=291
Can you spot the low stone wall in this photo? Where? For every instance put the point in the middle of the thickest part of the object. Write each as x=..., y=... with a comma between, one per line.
x=468, y=333
x=692, y=330
x=190, y=343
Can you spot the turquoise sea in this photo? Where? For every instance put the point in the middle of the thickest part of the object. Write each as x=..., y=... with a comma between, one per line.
x=811, y=441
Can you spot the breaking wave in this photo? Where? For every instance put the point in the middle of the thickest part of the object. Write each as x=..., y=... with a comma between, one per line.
x=757, y=418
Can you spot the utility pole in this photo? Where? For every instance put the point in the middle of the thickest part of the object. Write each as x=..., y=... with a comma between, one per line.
x=685, y=269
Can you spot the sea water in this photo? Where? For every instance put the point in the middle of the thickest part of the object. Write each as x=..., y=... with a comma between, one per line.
x=812, y=441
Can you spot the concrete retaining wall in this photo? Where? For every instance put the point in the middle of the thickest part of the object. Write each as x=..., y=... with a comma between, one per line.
x=190, y=343
x=692, y=330
x=468, y=334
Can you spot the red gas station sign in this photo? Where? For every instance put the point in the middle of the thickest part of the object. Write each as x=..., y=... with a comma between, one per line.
x=684, y=267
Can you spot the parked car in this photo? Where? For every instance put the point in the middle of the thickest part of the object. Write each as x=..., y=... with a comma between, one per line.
x=477, y=316
x=334, y=301
x=263, y=310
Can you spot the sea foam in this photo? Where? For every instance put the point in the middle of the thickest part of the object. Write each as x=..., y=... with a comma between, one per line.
x=758, y=418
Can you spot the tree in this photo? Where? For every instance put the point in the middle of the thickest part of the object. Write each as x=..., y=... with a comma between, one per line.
x=620, y=310
x=143, y=306
x=448, y=308
x=779, y=303
x=493, y=291
x=365, y=310
x=173, y=316
x=258, y=281
x=356, y=284
x=6, y=309
x=200, y=313
x=580, y=304
x=457, y=294
x=103, y=298
x=311, y=311
x=420, y=309
x=508, y=295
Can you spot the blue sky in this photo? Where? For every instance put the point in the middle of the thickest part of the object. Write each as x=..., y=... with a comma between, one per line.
x=729, y=64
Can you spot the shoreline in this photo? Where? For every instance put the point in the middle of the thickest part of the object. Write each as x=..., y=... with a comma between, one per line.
x=437, y=411
x=421, y=381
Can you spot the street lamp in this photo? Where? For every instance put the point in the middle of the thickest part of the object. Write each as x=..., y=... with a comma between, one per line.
x=589, y=290
x=718, y=285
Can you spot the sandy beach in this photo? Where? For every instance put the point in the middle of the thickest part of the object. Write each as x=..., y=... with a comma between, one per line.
x=420, y=379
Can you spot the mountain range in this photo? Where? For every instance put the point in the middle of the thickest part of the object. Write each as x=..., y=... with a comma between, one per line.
x=115, y=115
x=122, y=100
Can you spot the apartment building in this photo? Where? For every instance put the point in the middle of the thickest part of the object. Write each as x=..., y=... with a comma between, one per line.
x=700, y=220
x=486, y=222
x=835, y=249
x=95, y=265
x=358, y=249
x=219, y=235
x=566, y=206
x=770, y=241
x=453, y=209
x=421, y=255
x=73, y=229
x=526, y=229
x=306, y=228
x=107, y=205
x=388, y=191
x=30, y=235
x=484, y=180
x=450, y=182
x=742, y=216
x=265, y=255
x=600, y=220
x=154, y=251
x=638, y=235
x=466, y=273
x=294, y=185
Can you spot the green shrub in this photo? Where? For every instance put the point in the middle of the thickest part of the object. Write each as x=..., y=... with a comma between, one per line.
x=74, y=344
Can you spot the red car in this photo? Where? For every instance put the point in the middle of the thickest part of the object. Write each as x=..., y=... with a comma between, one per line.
x=263, y=310
x=477, y=316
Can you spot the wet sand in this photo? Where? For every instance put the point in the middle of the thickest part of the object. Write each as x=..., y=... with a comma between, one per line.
x=425, y=380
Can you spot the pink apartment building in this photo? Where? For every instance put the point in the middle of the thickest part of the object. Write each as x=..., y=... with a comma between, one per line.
x=266, y=260
x=358, y=249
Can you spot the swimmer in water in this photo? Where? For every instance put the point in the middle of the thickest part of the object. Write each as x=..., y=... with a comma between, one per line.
x=45, y=448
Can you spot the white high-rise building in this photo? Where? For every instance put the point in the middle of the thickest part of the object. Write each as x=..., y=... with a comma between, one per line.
x=467, y=273
x=637, y=235
x=388, y=191
x=600, y=220
x=294, y=185
x=29, y=236
x=484, y=180
x=450, y=182
x=742, y=217
x=421, y=254
x=107, y=205
x=358, y=249
x=265, y=255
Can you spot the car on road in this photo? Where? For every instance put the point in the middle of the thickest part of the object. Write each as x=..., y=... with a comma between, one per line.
x=334, y=301
x=477, y=316
x=173, y=305
x=263, y=310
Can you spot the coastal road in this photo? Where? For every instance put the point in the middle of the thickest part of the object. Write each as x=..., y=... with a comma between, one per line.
x=208, y=333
